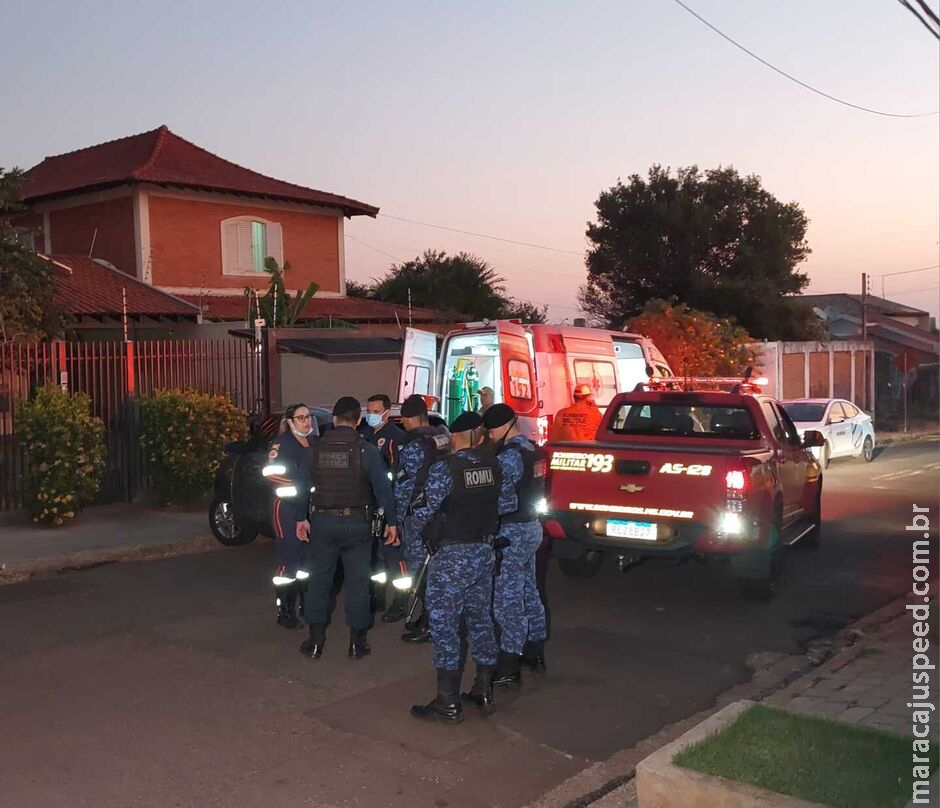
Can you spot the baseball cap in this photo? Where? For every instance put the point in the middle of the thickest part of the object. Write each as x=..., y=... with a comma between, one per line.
x=498, y=415
x=466, y=421
x=582, y=391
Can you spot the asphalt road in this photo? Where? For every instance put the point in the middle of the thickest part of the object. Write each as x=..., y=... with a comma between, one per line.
x=166, y=683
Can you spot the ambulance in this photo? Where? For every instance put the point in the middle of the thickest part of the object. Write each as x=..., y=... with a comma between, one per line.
x=532, y=368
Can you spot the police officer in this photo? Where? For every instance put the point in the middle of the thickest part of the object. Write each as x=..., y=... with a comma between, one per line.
x=423, y=446
x=459, y=518
x=383, y=433
x=288, y=470
x=348, y=479
x=516, y=603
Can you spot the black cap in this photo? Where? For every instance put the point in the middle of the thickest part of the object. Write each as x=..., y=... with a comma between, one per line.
x=346, y=406
x=466, y=421
x=414, y=406
x=498, y=415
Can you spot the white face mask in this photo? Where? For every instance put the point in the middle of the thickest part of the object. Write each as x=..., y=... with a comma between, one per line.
x=301, y=431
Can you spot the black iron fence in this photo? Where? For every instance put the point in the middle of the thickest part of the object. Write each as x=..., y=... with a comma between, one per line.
x=114, y=374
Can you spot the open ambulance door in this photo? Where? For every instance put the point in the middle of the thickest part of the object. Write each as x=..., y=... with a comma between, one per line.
x=418, y=364
x=519, y=388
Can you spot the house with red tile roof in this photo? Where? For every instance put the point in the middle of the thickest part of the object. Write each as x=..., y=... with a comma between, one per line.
x=168, y=214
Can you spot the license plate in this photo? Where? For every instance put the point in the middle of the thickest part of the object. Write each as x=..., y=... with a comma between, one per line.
x=645, y=531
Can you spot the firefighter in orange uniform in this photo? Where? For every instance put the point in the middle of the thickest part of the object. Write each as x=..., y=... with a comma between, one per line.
x=579, y=421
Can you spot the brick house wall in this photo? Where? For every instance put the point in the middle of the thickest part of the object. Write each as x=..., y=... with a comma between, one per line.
x=72, y=230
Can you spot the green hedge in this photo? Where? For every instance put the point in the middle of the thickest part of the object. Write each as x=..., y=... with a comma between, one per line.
x=183, y=432
x=66, y=446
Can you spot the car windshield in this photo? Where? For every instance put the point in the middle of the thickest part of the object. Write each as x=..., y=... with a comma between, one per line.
x=685, y=420
x=806, y=412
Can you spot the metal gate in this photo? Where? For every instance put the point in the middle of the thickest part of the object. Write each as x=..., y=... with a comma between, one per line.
x=113, y=374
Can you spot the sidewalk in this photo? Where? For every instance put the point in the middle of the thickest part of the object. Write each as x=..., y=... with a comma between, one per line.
x=101, y=534
x=870, y=683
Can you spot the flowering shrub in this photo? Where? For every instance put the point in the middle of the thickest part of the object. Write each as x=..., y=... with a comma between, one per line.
x=66, y=450
x=183, y=432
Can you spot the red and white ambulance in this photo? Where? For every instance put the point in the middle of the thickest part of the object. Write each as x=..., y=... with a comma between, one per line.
x=533, y=368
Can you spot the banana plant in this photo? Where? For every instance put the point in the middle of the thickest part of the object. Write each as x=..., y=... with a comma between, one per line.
x=276, y=306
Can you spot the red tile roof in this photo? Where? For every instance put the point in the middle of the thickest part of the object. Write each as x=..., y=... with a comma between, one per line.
x=164, y=158
x=88, y=288
x=353, y=309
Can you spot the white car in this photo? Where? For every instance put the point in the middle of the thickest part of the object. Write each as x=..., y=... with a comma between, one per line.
x=848, y=431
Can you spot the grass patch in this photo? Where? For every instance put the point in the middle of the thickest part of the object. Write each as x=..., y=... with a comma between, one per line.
x=809, y=758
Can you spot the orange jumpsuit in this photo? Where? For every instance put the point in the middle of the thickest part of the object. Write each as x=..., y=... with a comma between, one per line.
x=577, y=422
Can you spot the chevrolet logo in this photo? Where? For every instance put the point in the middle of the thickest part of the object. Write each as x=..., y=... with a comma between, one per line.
x=631, y=488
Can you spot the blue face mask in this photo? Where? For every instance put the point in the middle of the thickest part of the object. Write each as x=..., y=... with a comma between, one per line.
x=374, y=419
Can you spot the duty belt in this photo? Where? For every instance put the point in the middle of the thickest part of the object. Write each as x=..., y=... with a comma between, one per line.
x=362, y=510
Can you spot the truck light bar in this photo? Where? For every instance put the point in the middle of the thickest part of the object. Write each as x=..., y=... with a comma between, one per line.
x=690, y=384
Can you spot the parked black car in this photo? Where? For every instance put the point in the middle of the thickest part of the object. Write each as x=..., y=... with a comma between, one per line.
x=243, y=501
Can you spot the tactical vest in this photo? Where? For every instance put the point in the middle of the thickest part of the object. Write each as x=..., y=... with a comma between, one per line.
x=436, y=445
x=530, y=489
x=336, y=472
x=470, y=511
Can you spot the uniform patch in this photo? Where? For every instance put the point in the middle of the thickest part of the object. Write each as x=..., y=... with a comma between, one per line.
x=441, y=441
x=539, y=468
x=272, y=455
x=333, y=460
x=478, y=478
x=381, y=442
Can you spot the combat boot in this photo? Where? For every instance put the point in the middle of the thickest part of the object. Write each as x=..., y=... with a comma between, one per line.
x=287, y=606
x=358, y=646
x=507, y=671
x=421, y=631
x=313, y=648
x=446, y=705
x=481, y=694
x=533, y=656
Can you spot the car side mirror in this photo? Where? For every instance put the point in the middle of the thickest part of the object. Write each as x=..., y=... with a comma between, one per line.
x=235, y=448
x=813, y=437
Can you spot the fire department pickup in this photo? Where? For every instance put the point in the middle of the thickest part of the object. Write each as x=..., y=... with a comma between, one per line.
x=684, y=468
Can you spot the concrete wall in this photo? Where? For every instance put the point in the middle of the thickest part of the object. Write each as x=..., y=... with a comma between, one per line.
x=313, y=381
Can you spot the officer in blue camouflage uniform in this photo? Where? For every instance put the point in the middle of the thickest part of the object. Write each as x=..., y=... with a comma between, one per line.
x=423, y=446
x=288, y=470
x=516, y=603
x=458, y=519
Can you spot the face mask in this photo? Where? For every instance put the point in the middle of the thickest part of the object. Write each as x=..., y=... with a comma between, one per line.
x=300, y=433
x=373, y=419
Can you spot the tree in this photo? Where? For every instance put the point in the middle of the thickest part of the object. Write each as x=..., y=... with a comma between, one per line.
x=276, y=306
x=463, y=284
x=356, y=289
x=715, y=240
x=694, y=342
x=26, y=305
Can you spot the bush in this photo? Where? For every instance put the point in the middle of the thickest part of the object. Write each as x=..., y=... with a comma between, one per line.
x=183, y=432
x=66, y=454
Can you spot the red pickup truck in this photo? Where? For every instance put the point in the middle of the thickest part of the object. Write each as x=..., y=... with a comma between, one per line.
x=687, y=468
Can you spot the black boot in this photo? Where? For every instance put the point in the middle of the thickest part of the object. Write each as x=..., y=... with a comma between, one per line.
x=533, y=656
x=358, y=646
x=287, y=606
x=399, y=608
x=481, y=694
x=507, y=671
x=313, y=647
x=421, y=631
x=446, y=706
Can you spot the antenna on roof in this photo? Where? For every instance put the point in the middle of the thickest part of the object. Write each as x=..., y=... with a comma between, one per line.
x=124, y=310
x=409, y=305
x=94, y=236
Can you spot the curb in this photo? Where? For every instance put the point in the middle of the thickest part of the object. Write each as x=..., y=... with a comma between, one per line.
x=911, y=438
x=612, y=782
x=18, y=571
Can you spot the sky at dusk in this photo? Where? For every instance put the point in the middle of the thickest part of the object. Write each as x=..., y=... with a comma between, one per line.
x=509, y=118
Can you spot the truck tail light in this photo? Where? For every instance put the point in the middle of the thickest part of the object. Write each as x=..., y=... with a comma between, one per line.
x=736, y=481
x=543, y=425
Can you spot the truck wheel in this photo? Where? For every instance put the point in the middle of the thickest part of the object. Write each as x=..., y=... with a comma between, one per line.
x=584, y=566
x=759, y=572
x=226, y=527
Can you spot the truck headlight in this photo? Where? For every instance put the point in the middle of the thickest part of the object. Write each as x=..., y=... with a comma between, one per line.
x=731, y=523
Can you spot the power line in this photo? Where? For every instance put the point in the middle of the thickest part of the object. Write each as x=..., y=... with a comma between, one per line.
x=481, y=235
x=909, y=271
x=920, y=19
x=376, y=249
x=929, y=12
x=794, y=79
x=918, y=289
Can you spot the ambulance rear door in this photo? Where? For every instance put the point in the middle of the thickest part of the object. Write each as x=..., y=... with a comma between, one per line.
x=418, y=364
x=519, y=388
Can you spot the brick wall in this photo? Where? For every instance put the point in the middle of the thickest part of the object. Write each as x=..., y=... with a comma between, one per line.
x=74, y=228
x=186, y=245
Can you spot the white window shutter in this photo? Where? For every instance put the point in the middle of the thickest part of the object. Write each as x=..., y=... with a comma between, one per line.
x=246, y=262
x=229, y=246
x=275, y=242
